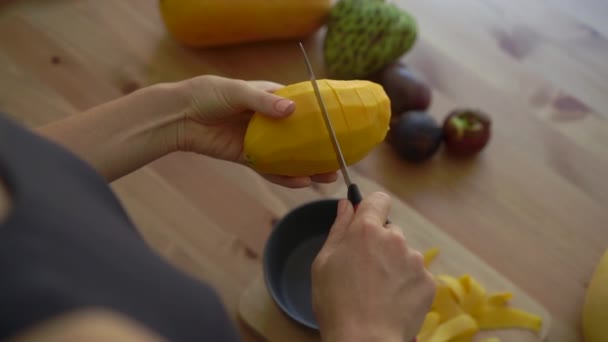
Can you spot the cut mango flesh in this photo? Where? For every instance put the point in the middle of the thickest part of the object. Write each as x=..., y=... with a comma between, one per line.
x=430, y=255
x=300, y=144
x=494, y=317
x=457, y=326
x=468, y=337
x=462, y=307
x=595, y=312
x=445, y=305
x=431, y=322
x=499, y=298
x=454, y=285
x=475, y=295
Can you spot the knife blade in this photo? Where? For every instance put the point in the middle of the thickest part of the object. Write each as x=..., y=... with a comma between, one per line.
x=353, y=195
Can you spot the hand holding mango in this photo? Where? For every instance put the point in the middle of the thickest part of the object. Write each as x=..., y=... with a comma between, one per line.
x=300, y=144
x=216, y=116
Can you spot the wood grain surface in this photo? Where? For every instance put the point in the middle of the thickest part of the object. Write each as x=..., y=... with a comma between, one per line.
x=532, y=206
x=257, y=307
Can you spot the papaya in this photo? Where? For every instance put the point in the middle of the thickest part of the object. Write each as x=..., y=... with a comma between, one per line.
x=210, y=23
x=300, y=144
x=595, y=305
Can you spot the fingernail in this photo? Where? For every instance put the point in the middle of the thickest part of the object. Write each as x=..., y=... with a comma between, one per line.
x=284, y=105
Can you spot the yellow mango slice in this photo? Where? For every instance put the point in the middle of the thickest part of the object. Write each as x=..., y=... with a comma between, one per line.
x=464, y=296
x=445, y=304
x=595, y=306
x=499, y=299
x=431, y=322
x=455, y=286
x=458, y=300
x=464, y=337
x=462, y=324
x=430, y=255
x=467, y=292
x=300, y=144
x=494, y=317
x=491, y=339
x=474, y=297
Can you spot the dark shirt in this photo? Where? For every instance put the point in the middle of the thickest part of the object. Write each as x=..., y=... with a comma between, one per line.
x=67, y=243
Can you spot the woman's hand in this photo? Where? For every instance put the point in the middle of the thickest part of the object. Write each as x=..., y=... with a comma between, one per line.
x=368, y=284
x=217, y=117
x=206, y=114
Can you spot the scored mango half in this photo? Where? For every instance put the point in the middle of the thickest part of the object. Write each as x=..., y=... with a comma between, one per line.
x=300, y=144
x=462, y=307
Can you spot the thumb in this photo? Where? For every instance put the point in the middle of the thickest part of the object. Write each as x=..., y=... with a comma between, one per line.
x=344, y=217
x=249, y=97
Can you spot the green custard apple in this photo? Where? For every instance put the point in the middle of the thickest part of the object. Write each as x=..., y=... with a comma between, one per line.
x=363, y=36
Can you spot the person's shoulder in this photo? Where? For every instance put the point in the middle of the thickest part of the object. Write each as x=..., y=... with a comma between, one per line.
x=7, y=120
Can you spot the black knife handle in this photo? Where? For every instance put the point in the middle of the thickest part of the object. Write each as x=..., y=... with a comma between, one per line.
x=354, y=196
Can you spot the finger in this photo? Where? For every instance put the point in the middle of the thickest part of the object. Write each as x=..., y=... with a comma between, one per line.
x=325, y=177
x=267, y=86
x=242, y=96
x=395, y=234
x=344, y=215
x=375, y=208
x=395, y=228
x=289, y=182
x=416, y=260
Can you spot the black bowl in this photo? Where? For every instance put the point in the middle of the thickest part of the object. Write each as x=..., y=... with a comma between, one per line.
x=288, y=255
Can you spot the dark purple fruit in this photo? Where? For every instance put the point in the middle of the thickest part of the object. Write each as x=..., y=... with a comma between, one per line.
x=466, y=131
x=416, y=136
x=405, y=90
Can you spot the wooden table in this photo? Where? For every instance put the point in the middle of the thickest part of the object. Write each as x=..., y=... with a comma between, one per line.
x=533, y=205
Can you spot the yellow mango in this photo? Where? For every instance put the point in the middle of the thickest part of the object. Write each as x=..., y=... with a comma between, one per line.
x=445, y=304
x=500, y=317
x=430, y=255
x=455, y=286
x=457, y=326
x=595, y=305
x=475, y=294
x=300, y=144
x=462, y=307
x=431, y=322
x=468, y=337
x=499, y=298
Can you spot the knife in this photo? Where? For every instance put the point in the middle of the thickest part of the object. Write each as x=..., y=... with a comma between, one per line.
x=353, y=193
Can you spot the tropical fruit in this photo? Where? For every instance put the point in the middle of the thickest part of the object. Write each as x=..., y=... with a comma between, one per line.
x=209, y=23
x=466, y=131
x=416, y=136
x=463, y=307
x=595, y=306
x=365, y=35
x=406, y=89
x=300, y=144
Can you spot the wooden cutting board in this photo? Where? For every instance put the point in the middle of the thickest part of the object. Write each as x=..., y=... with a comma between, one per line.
x=258, y=310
